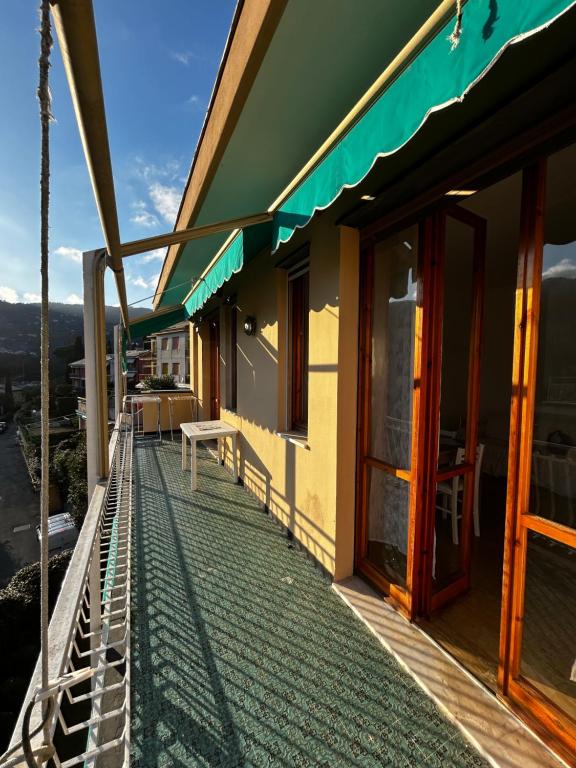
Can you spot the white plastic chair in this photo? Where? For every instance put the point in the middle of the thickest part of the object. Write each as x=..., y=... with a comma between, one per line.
x=454, y=489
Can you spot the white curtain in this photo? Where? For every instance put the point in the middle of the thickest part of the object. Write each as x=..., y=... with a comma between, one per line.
x=392, y=383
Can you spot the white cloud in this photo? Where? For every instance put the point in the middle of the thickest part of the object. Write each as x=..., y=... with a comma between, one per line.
x=139, y=282
x=184, y=57
x=74, y=254
x=158, y=189
x=8, y=294
x=564, y=268
x=32, y=298
x=194, y=101
x=150, y=172
x=157, y=255
x=144, y=219
x=166, y=201
x=142, y=216
x=73, y=298
x=148, y=283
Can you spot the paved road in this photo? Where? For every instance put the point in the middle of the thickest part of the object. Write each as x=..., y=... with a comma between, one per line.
x=19, y=506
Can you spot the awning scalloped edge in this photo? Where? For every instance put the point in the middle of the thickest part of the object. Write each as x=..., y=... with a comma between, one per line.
x=299, y=208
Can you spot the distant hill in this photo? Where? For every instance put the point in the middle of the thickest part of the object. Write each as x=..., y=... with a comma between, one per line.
x=20, y=325
x=557, y=329
x=20, y=335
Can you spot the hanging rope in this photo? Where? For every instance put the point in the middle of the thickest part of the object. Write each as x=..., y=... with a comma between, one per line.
x=45, y=117
x=454, y=37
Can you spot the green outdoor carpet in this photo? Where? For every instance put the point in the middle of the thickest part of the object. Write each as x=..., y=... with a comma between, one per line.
x=242, y=655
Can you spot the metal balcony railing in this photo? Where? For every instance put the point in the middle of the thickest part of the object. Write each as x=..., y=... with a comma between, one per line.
x=88, y=698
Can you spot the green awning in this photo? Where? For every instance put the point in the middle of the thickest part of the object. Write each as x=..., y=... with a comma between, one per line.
x=151, y=323
x=244, y=246
x=157, y=321
x=436, y=78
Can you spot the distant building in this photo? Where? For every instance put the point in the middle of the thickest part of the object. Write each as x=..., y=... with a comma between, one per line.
x=171, y=348
x=78, y=374
x=138, y=365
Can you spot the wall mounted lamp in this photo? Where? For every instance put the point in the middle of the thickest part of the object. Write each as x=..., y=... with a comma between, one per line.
x=250, y=326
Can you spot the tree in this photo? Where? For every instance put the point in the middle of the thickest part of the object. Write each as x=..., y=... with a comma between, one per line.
x=7, y=399
x=20, y=636
x=78, y=348
x=66, y=399
x=63, y=356
x=69, y=471
x=166, y=381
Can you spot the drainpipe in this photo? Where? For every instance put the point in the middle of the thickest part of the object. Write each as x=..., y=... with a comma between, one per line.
x=93, y=267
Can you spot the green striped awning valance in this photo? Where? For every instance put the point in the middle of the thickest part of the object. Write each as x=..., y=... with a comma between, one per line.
x=157, y=321
x=242, y=246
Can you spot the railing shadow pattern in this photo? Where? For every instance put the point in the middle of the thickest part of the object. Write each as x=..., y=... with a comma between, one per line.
x=243, y=656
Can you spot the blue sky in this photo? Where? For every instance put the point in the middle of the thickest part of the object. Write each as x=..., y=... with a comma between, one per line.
x=159, y=62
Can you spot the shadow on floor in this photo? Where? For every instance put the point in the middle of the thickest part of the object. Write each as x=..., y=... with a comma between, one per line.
x=242, y=655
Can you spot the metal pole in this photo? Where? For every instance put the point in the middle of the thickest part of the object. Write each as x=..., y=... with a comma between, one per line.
x=44, y=99
x=76, y=30
x=118, y=378
x=93, y=266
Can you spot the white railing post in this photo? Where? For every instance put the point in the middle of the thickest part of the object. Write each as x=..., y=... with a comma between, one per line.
x=95, y=599
x=93, y=267
x=93, y=606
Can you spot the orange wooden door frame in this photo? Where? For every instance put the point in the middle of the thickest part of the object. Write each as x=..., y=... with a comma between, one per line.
x=533, y=705
x=214, y=368
x=429, y=600
x=401, y=596
x=539, y=712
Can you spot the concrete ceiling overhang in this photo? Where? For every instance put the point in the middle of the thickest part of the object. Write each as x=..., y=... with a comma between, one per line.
x=319, y=60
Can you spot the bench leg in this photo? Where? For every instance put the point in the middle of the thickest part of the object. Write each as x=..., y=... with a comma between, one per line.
x=193, y=466
x=235, y=456
x=184, y=453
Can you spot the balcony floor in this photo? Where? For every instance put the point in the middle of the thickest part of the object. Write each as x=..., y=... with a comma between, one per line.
x=242, y=654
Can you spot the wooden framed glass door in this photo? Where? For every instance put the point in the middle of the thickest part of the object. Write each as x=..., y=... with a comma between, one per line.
x=452, y=477
x=392, y=340
x=419, y=386
x=538, y=638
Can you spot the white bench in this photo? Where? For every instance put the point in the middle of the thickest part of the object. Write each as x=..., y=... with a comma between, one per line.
x=207, y=430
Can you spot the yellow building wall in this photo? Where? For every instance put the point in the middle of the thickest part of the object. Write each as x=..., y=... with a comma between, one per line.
x=308, y=484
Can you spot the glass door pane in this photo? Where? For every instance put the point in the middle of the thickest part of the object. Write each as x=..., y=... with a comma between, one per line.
x=386, y=394
x=459, y=320
x=553, y=480
x=388, y=513
x=548, y=659
x=393, y=315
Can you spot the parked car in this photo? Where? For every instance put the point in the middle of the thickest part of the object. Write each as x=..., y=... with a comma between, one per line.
x=3, y=426
x=62, y=533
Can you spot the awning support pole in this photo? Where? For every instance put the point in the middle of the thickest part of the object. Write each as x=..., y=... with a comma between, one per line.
x=179, y=236
x=93, y=267
x=76, y=30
